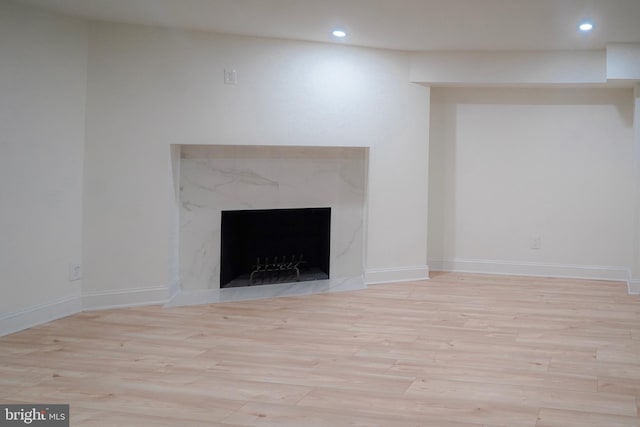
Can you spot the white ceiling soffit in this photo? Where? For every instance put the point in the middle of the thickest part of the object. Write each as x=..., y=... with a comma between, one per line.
x=414, y=25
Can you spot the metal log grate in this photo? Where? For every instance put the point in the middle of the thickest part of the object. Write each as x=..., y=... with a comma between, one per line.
x=278, y=266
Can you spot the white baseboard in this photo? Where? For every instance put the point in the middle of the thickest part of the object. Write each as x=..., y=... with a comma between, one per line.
x=634, y=286
x=174, y=289
x=37, y=315
x=125, y=298
x=516, y=268
x=399, y=274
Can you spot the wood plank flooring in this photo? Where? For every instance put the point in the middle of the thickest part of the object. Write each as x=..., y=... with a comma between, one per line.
x=459, y=350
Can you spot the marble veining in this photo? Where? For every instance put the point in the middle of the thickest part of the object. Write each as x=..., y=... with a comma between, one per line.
x=216, y=178
x=228, y=176
x=356, y=235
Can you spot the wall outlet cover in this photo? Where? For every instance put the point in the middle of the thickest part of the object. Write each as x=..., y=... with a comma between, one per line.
x=75, y=272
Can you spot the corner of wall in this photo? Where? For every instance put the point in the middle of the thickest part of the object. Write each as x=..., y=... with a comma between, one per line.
x=633, y=285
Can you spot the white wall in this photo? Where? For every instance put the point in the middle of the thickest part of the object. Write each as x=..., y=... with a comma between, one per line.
x=507, y=164
x=149, y=88
x=42, y=82
x=623, y=61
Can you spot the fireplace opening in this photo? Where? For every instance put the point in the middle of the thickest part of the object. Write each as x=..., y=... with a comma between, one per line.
x=267, y=246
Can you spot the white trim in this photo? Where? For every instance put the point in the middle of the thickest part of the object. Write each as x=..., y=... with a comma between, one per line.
x=524, y=268
x=39, y=314
x=398, y=274
x=633, y=285
x=125, y=298
x=174, y=289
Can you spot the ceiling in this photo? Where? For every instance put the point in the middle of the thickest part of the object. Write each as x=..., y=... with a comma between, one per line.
x=414, y=25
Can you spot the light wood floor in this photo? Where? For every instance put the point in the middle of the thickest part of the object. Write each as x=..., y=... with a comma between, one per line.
x=459, y=350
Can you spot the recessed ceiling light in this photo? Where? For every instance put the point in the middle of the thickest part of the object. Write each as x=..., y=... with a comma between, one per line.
x=586, y=26
x=339, y=33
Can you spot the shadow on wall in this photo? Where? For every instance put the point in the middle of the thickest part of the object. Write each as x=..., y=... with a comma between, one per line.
x=442, y=182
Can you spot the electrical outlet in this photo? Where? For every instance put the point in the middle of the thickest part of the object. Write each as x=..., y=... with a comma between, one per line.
x=535, y=241
x=230, y=76
x=75, y=272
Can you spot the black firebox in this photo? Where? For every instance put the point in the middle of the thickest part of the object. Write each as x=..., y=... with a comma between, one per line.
x=266, y=246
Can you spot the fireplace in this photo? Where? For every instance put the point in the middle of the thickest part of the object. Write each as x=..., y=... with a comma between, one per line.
x=217, y=179
x=267, y=246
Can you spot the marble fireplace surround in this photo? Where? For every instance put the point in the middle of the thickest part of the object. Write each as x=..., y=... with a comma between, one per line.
x=213, y=178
